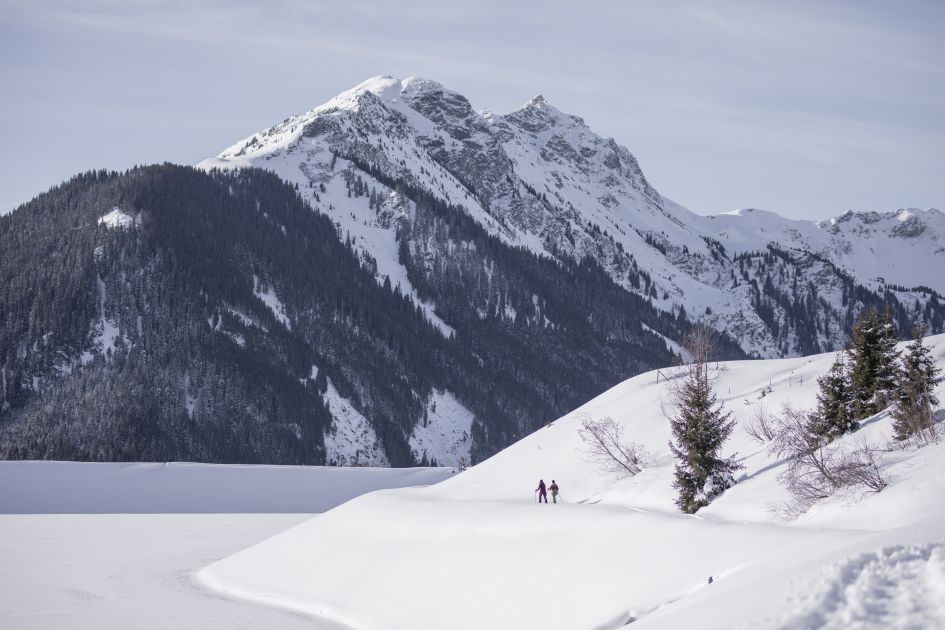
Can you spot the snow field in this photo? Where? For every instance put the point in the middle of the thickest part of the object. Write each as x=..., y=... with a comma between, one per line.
x=475, y=551
x=411, y=562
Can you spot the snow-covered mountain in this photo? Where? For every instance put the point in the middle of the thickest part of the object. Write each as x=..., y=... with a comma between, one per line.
x=904, y=248
x=169, y=313
x=543, y=180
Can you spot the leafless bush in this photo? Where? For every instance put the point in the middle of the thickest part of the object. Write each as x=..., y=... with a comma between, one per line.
x=861, y=467
x=816, y=470
x=915, y=423
x=763, y=426
x=605, y=446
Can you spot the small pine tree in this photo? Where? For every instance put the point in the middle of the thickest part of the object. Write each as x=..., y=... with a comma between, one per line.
x=873, y=363
x=834, y=415
x=700, y=427
x=913, y=412
x=889, y=371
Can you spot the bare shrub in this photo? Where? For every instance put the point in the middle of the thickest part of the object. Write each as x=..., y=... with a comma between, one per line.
x=914, y=423
x=861, y=467
x=762, y=426
x=816, y=470
x=606, y=447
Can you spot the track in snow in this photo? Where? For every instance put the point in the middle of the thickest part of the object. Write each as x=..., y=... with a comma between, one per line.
x=901, y=586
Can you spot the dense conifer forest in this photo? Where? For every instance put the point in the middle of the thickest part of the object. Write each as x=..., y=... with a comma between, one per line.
x=151, y=341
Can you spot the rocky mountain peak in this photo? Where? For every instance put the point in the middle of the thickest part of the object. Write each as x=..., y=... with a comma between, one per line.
x=542, y=179
x=539, y=115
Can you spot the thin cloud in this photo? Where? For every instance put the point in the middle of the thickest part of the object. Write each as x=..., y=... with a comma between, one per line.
x=718, y=101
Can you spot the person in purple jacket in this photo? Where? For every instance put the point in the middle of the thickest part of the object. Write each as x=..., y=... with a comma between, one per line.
x=542, y=492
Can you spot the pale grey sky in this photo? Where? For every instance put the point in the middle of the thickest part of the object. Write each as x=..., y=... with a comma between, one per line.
x=806, y=108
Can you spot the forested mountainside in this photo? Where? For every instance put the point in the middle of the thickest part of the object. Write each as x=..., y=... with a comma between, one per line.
x=395, y=278
x=542, y=179
x=168, y=313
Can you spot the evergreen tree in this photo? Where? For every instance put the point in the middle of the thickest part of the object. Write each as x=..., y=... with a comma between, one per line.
x=873, y=363
x=920, y=375
x=700, y=427
x=834, y=415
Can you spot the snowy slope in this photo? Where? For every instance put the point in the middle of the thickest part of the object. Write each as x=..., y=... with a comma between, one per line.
x=617, y=550
x=542, y=179
x=445, y=433
x=351, y=441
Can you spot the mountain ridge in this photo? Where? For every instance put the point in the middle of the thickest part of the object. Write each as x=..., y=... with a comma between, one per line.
x=541, y=179
x=167, y=313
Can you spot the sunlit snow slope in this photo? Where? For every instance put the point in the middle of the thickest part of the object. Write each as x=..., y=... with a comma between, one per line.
x=476, y=551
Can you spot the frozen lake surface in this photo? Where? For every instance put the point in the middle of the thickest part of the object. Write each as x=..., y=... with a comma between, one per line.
x=108, y=546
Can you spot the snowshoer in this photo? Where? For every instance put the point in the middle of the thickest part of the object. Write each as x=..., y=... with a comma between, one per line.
x=542, y=492
x=554, y=492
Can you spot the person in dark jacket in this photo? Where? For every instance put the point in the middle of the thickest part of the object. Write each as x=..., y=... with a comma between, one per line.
x=542, y=492
x=554, y=492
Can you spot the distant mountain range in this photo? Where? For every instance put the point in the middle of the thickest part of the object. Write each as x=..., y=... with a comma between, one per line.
x=464, y=278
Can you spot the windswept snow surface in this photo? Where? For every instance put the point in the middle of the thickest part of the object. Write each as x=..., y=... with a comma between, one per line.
x=617, y=550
